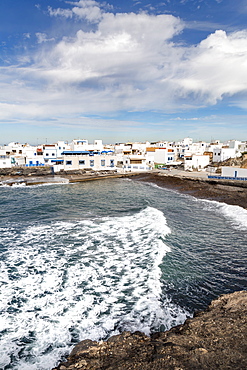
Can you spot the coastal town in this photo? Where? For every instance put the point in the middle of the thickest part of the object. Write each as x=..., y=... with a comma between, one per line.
x=225, y=159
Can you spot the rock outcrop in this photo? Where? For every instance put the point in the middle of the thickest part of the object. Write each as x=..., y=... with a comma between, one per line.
x=213, y=339
x=26, y=171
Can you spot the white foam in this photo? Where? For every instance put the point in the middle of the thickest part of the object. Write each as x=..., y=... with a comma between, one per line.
x=17, y=185
x=89, y=279
x=235, y=215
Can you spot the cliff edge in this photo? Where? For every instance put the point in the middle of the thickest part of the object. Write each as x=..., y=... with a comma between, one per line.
x=214, y=339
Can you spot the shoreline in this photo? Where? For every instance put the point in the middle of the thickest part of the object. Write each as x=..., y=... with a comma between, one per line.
x=195, y=184
x=225, y=191
x=213, y=339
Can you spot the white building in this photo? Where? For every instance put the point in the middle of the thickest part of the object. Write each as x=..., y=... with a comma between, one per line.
x=182, y=147
x=224, y=153
x=81, y=160
x=5, y=161
x=131, y=148
x=83, y=145
x=233, y=172
x=49, y=153
x=61, y=146
x=196, y=162
x=161, y=155
x=133, y=163
x=33, y=156
x=13, y=148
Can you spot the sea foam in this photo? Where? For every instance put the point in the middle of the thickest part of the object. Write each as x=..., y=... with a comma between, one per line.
x=68, y=281
x=235, y=215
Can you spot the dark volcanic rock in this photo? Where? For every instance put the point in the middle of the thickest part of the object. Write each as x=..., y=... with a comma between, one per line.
x=230, y=192
x=26, y=171
x=213, y=339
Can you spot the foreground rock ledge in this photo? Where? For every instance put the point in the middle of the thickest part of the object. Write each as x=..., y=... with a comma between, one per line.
x=213, y=339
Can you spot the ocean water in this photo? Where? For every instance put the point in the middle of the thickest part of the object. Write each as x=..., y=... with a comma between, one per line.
x=90, y=260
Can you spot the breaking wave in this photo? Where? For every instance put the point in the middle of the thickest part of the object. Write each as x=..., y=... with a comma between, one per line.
x=67, y=281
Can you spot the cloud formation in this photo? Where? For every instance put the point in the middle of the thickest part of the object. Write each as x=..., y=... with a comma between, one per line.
x=126, y=61
x=87, y=9
x=42, y=37
x=215, y=68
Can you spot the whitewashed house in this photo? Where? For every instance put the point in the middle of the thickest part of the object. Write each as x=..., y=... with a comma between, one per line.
x=49, y=153
x=134, y=163
x=5, y=161
x=224, y=153
x=33, y=157
x=61, y=146
x=196, y=162
x=161, y=155
x=83, y=145
x=81, y=160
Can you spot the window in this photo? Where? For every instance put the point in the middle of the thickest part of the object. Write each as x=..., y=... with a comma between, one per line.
x=91, y=163
x=112, y=162
x=102, y=162
x=47, y=154
x=53, y=154
x=68, y=163
x=81, y=162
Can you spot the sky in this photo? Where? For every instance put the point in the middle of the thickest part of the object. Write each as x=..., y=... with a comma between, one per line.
x=123, y=71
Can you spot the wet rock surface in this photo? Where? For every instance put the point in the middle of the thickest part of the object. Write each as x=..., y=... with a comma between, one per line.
x=230, y=192
x=213, y=339
x=25, y=171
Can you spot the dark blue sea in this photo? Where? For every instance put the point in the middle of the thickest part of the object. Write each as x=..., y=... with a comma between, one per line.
x=90, y=260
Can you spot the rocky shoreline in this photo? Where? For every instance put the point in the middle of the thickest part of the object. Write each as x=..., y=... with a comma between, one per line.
x=214, y=339
x=227, y=191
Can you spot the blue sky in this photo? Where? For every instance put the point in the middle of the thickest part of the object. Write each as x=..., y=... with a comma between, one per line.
x=123, y=71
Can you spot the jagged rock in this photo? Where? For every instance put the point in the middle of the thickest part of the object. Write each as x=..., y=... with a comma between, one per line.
x=213, y=339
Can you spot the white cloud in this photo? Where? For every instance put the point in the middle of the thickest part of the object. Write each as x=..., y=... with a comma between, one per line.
x=67, y=13
x=127, y=62
x=126, y=49
x=217, y=67
x=92, y=14
x=89, y=10
x=42, y=37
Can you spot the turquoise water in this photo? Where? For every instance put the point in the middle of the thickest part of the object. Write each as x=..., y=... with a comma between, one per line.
x=90, y=260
